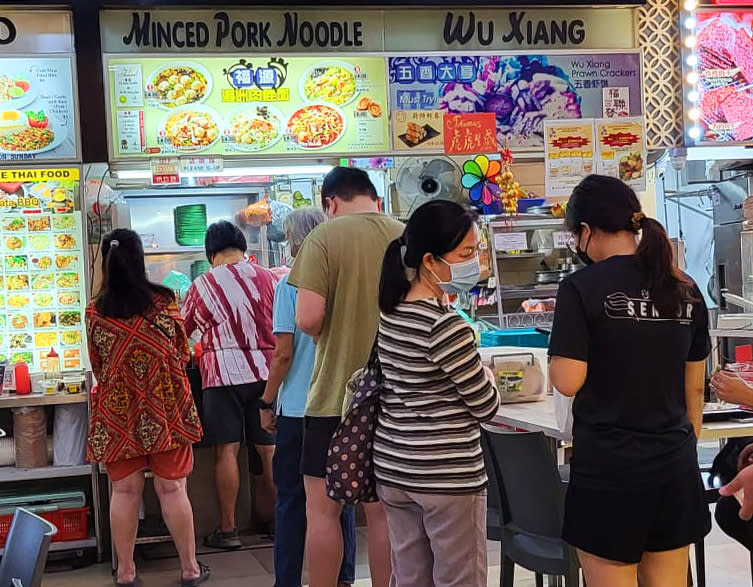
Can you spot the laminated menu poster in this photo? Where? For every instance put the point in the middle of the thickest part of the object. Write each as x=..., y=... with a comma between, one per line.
x=622, y=150
x=255, y=106
x=725, y=71
x=37, y=109
x=42, y=295
x=569, y=154
x=522, y=91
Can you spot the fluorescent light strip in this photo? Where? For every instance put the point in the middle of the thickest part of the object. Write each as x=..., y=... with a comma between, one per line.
x=236, y=172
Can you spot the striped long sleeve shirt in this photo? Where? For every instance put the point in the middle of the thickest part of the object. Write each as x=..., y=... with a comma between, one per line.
x=436, y=395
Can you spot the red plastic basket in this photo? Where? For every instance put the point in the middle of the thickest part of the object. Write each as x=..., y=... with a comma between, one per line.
x=71, y=524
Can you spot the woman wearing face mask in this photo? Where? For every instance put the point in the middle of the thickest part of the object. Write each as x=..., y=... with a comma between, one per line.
x=629, y=341
x=427, y=454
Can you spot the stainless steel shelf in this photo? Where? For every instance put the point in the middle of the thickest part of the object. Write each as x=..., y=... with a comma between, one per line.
x=507, y=256
x=8, y=474
x=731, y=333
x=69, y=545
x=174, y=250
x=42, y=399
x=516, y=293
x=528, y=221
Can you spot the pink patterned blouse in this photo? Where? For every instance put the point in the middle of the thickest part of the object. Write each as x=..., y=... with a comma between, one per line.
x=231, y=306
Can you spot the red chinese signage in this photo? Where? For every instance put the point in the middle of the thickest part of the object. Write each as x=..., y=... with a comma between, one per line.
x=470, y=133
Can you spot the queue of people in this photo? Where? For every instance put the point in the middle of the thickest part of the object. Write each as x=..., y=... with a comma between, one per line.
x=629, y=342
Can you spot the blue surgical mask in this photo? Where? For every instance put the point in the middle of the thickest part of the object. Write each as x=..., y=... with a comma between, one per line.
x=463, y=276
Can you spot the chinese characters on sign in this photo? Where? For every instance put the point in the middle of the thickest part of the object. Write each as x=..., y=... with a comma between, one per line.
x=616, y=102
x=470, y=133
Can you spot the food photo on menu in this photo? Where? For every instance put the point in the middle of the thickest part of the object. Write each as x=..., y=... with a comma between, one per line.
x=725, y=88
x=271, y=105
x=36, y=109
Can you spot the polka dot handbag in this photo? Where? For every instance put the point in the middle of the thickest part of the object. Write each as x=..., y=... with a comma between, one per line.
x=350, y=466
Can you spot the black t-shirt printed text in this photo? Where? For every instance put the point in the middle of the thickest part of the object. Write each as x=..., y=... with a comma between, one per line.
x=630, y=423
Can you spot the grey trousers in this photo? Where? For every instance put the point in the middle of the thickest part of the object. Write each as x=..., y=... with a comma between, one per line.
x=437, y=540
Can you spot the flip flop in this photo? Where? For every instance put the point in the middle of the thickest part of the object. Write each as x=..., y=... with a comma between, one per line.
x=204, y=573
x=135, y=583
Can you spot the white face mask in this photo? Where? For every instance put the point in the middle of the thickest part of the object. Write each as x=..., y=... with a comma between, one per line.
x=464, y=276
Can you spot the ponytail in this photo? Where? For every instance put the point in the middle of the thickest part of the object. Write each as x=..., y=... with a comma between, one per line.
x=435, y=228
x=669, y=286
x=394, y=284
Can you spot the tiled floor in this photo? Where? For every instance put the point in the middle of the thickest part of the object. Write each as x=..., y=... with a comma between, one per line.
x=727, y=566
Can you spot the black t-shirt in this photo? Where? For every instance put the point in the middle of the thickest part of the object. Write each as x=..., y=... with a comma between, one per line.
x=630, y=422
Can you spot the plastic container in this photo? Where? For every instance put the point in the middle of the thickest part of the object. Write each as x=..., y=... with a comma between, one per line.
x=73, y=384
x=71, y=524
x=30, y=435
x=526, y=203
x=521, y=337
x=50, y=386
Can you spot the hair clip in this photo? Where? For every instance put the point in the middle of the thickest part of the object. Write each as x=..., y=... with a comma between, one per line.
x=636, y=220
x=114, y=244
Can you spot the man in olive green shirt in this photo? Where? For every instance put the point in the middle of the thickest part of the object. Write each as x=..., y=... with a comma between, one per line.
x=337, y=274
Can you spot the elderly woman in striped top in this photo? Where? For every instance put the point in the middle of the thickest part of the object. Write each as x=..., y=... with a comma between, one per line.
x=427, y=454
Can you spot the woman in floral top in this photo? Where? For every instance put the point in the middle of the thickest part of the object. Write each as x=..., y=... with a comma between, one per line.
x=143, y=415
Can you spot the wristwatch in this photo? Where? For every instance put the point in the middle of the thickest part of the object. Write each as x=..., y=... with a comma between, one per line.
x=262, y=405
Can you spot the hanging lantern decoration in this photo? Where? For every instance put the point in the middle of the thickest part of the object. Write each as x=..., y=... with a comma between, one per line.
x=509, y=188
x=481, y=179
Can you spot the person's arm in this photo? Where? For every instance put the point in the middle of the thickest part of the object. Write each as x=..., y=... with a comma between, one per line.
x=278, y=367
x=453, y=349
x=743, y=482
x=695, y=367
x=310, y=274
x=568, y=345
x=181, y=338
x=94, y=358
x=695, y=383
x=189, y=310
x=309, y=312
x=568, y=375
x=731, y=389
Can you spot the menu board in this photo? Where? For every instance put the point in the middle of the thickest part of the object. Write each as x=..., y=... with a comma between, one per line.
x=522, y=91
x=42, y=295
x=569, y=154
x=622, y=150
x=264, y=106
x=37, y=110
x=725, y=68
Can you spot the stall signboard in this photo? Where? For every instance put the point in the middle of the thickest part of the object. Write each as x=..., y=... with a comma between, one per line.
x=247, y=106
x=621, y=150
x=37, y=89
x=42, y=291
x=725, y=68
x=295, y=30
x=522, y=91
x=569, y=154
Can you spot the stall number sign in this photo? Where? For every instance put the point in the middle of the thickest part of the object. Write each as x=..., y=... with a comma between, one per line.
x=165, y=171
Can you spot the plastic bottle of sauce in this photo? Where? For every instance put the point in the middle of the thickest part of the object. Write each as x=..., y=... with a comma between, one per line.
x=23, y=380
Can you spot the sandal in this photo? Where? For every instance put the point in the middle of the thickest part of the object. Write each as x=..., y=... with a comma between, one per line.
x=204, y=573
x=135, y=583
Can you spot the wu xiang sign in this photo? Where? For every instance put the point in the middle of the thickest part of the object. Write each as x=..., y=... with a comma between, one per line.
x=355, y=30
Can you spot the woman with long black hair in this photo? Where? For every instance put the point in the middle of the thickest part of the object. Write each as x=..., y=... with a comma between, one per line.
x=143, y=415
x=629, y=341
x=427, y=453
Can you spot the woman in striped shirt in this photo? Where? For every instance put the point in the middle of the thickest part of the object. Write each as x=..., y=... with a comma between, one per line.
x=427, y=453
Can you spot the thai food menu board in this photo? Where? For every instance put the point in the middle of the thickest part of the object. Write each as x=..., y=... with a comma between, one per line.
x=37, y=110
x=259, y=105
x=42, y=293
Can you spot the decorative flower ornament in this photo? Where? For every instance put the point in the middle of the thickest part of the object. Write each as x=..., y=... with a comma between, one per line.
x=480, y=177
